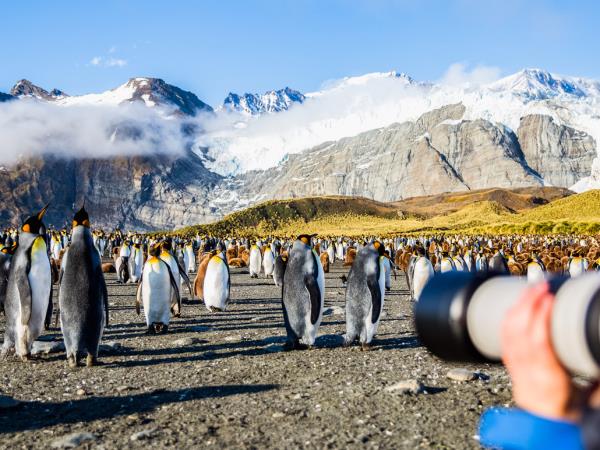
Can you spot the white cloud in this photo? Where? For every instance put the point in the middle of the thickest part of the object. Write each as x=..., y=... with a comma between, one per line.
x=99, y=61
x=30, y=128
x=115, y=62
x=458, y=74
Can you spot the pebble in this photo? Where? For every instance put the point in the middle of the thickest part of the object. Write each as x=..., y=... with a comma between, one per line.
x=277, y=415
x=72, y=440
x=186, y=341
x=144, y=434
x=47, y=347
x=461, y=374
x=81, y=392
x=334, y=311
x=406, y=387
x=7, y=402
x=109, y=347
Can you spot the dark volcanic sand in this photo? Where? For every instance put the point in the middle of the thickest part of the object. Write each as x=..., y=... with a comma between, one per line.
x=231, y=385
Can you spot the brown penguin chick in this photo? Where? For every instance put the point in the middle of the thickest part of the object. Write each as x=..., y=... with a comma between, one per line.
x=235, y=262
x=108, y=268
x=350, y=255
x=231, y=254
x=245, y=257
x=325, y=261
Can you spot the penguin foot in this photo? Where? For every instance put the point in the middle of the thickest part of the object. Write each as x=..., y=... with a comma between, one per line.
x=72, y=361
x=365, y=347
x=151, y=330
x=91, y=361
x=26, y=357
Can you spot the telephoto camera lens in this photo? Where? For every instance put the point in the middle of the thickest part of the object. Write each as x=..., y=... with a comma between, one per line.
x=459, y=317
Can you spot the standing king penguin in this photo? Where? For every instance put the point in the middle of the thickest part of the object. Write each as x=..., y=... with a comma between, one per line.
x=82, y=296
x=156, y=290
x=303, y=294
x=216, y=283
x=29, y=288
x=365, y=294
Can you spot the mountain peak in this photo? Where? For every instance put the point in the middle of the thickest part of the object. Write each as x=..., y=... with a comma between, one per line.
x=539, y=84
x=155, y=91
x=270, y=102
x=25, y=88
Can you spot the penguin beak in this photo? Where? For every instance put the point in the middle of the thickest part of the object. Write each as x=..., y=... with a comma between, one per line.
x=43, y=211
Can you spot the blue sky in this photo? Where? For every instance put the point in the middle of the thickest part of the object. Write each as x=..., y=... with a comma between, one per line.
x=213, y=47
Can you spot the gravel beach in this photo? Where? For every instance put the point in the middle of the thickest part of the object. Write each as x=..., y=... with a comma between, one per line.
x=223, y=380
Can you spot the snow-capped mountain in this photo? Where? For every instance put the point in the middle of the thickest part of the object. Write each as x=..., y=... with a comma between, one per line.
x=150, y=91
x=25, y=88
x=354, y=105
x=536, y=84
x=269, y=102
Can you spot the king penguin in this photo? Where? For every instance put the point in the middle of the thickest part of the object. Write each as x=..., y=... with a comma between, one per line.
x=268, y=262
x=255, y=261
x=156, y=290
x=82, y=295
x=216, y=283
x=422, y=273
x=303, y=294
x=364, y=295
x=29, y=288
x=5, y=257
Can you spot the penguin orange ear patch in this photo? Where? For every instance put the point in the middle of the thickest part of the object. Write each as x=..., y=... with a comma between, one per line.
x=26, y=228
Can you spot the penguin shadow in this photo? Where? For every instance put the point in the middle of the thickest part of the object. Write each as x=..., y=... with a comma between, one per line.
x=205, y=352
x=35, y=415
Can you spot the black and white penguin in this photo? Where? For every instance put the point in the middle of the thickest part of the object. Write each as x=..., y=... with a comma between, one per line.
x=268, y=262
x=29, y=288
x=365, y=294
x=82, y=295
x=255, y=261
x=156, y=291
x=5, y=257
x=303, y=294
x=217, y=283
x=279, y=269
x=422, y=273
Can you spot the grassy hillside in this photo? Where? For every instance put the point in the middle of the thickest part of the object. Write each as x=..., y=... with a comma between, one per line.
x=530, y=210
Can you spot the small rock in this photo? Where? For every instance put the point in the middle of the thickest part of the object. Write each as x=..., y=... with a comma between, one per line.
x=144, y=434
x=81, y=392
x=186, y=341
x=123, y=388
x=406, y=387
x=277, y=415
x=461, y=374
x=334, y=311
x=7, y=402
x=109, y=347
x=72, y=440
x=47, y=347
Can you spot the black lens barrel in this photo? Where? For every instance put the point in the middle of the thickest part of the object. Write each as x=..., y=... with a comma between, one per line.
x=441, y=315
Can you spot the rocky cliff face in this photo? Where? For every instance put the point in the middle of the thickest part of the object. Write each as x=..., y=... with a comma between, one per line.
x=560, y=154
x=142, y=193
x=438, y=153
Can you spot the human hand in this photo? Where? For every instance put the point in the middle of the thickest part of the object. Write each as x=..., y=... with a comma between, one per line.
x=541, y=385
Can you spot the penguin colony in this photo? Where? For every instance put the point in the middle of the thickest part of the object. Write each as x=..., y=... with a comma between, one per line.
x=33, y=259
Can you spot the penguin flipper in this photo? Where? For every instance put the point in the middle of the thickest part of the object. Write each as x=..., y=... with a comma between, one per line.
x=315, y=297
x=174, y=287
x=48, y=319
x=104, y=292
x=184, y=274
x=138, y=296
x=24, y=289
x=373, y=285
